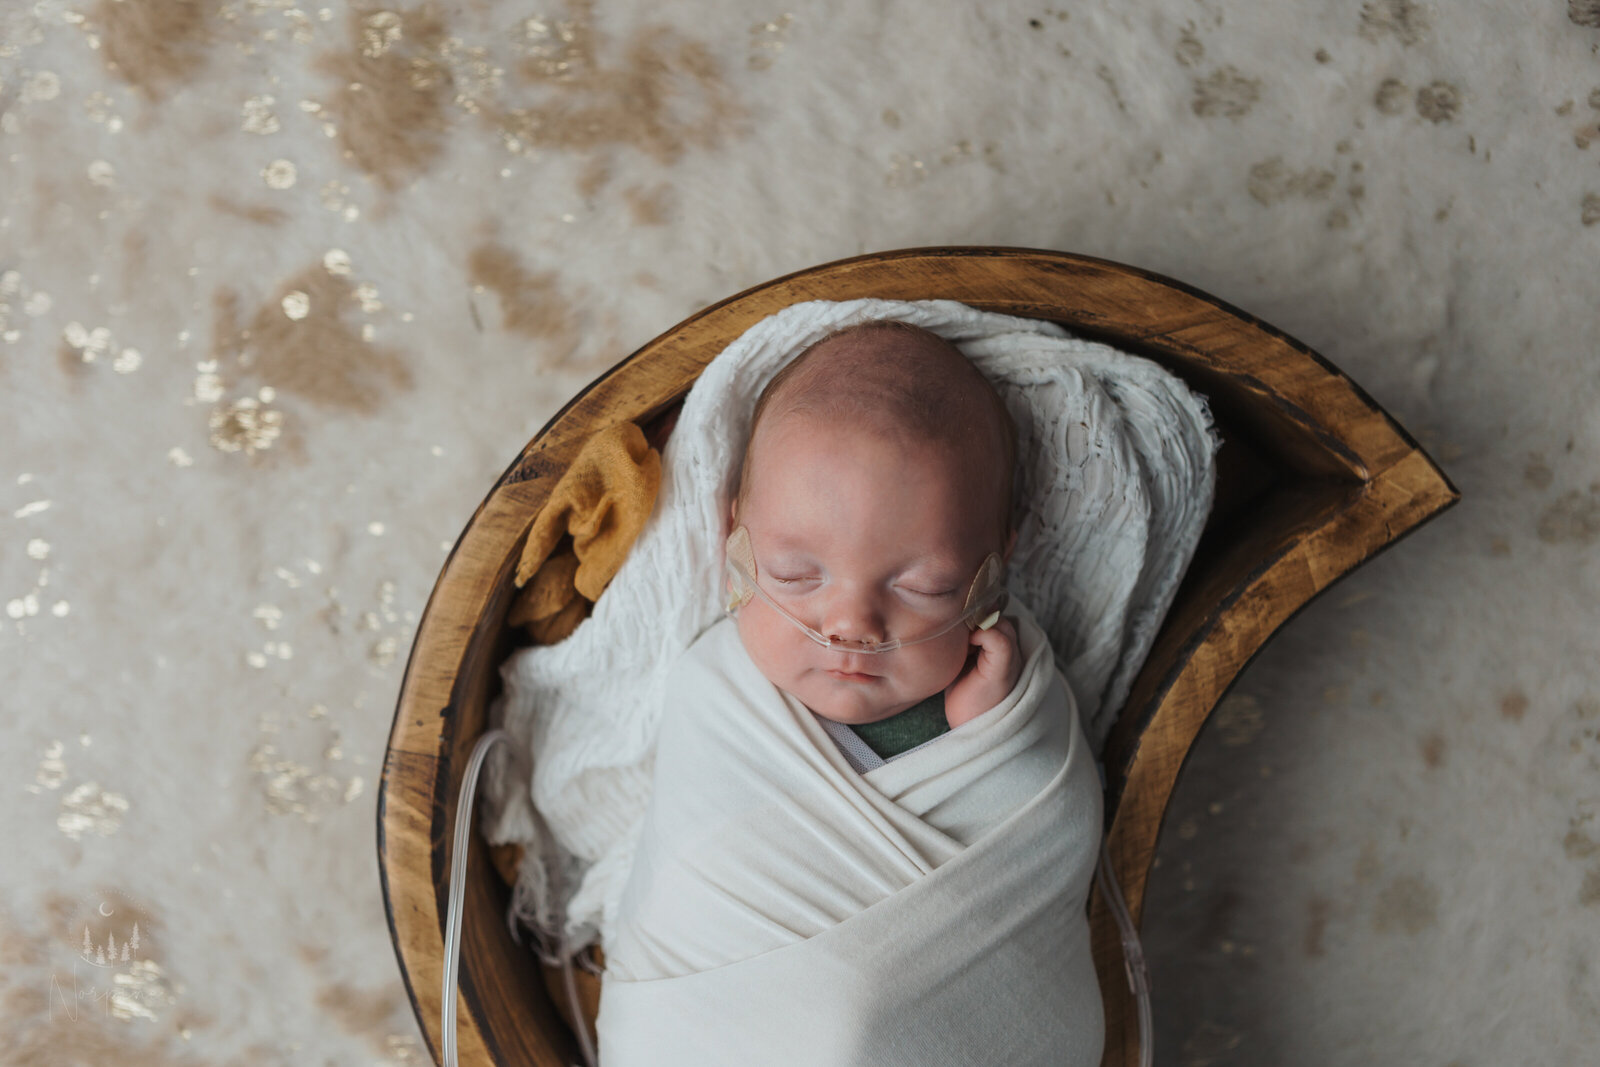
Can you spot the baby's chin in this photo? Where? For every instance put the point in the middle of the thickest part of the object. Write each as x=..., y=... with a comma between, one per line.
x=853, y=709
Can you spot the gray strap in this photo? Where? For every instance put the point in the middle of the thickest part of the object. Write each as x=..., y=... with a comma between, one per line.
x=856, y=751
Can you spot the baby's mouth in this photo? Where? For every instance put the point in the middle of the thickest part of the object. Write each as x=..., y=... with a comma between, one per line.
x=849, y=669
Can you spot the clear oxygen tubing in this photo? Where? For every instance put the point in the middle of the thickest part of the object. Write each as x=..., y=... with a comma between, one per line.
x=986, y=598
x=1132, y=953
x=1133, y=964
x=452, y=930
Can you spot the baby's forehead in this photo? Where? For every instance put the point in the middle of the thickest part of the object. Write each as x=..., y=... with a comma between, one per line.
x=815, y=475
x=909, y=385
x=894, y=385
x=866, y=434
x=870, y=450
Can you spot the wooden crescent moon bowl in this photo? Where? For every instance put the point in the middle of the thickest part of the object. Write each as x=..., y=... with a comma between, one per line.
x=1313, y=479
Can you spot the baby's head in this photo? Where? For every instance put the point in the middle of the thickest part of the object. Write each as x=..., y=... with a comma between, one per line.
x=876, y=483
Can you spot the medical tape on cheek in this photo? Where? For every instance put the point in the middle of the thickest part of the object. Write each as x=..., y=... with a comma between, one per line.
x=987, y=590
x=740, y=568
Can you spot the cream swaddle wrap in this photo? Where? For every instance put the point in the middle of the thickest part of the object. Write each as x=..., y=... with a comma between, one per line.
x=1115, y=470
x=783, y=909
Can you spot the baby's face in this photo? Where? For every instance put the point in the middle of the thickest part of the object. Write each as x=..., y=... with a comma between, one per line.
x=861, y=538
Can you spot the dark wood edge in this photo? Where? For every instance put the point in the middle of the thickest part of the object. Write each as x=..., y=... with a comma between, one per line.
x=1132, y=844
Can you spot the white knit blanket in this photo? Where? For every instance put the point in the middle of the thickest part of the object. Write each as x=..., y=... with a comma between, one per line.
x=1116, y=475
x=783, y=909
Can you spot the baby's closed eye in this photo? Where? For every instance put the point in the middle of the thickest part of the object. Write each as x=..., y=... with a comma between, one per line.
x=794, y=579
x=934, y=593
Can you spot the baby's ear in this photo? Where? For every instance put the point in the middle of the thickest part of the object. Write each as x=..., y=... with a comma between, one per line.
x=733, y=515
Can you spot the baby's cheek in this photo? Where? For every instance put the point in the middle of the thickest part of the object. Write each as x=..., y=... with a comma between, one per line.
x=947, y=657
x=766, y=645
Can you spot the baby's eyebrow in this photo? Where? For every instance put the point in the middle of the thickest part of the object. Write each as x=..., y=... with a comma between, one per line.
x=789, y=554
x=933, y=569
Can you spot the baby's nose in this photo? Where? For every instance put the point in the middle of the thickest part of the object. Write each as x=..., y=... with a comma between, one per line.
x=853, y=616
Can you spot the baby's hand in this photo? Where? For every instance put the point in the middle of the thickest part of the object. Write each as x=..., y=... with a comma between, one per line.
x=988, y=678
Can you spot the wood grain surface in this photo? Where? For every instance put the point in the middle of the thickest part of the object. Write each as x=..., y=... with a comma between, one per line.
x=1314, y=479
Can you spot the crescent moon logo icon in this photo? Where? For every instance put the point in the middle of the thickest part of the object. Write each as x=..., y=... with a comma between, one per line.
x=108, y=929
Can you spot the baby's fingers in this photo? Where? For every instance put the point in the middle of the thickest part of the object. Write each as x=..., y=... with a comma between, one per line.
x=997, y=651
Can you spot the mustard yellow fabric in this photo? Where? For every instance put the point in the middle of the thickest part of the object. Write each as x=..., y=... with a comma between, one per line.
x=601, y=502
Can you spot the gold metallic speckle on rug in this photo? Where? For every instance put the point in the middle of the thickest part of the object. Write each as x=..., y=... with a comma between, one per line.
x=11, y=288
x=100, y=108
x=904, y=171
x=665, y=95
x=767, y=40
x=245, y=425
x=402, y=1049
x=20, y=30
x=29, y=604
x=557, y=49
x=141, y=991
x=52, y=770
x=305, y=786
x=279, y=174
x=300, y=25
x=475, y=77
x=43, y=85
x=281, y=649
x=89, y=809
x=380, y=32
x=333, y=196
x=302, y=342
x=102, y=173
x=89, y=344
x=389, y=107
x=207, y=387
x=385, y=646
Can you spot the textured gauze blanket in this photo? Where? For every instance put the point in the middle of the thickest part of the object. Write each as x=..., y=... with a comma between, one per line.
x=783, y=909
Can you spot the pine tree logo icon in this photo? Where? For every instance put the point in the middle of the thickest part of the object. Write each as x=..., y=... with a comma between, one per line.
x=111, y=931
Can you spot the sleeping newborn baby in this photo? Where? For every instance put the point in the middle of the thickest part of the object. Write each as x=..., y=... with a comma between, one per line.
x=875, y=491
x=874, y=816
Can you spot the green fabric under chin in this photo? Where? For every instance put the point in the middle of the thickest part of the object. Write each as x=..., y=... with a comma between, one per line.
x=905, y=730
